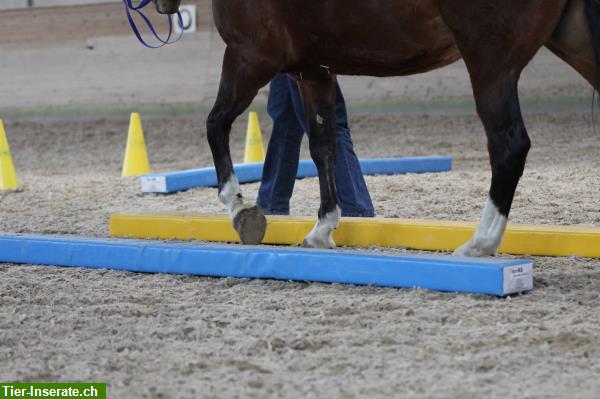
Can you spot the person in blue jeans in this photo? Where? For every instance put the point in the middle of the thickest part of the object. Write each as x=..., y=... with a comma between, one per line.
x=283, y=152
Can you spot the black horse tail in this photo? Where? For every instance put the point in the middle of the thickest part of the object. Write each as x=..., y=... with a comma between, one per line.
x=592, y=13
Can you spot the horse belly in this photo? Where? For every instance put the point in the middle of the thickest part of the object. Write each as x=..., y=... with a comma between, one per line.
x=387, y=62
x=349, y=37
x=389, y=39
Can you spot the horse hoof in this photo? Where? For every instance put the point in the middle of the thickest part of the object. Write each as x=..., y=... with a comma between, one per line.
x=309, y=243
x=251, y=225
x=475, y=250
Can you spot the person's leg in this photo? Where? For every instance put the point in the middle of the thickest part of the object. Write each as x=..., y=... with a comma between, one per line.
x=354, y=197
x=283, y=151
x=352, y=190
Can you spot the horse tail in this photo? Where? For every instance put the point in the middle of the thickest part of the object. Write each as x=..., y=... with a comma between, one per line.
x=592, y=13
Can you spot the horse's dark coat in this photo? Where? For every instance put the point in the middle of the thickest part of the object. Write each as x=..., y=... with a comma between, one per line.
x=313, y=40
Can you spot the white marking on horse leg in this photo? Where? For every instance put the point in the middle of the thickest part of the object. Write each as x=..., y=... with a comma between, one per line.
x=321, y=236
x=488, y=235
x=232, y=197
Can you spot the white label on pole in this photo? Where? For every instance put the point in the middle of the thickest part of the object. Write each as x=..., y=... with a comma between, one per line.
x=154, y=184
x=518, y=279
x=188, y=15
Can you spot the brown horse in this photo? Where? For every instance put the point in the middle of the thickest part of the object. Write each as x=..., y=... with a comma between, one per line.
x=313, y=40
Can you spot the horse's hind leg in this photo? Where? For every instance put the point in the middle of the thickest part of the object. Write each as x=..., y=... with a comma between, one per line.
x=495, y=55
x=241, y=78
x=318, y=97
x=508, y=145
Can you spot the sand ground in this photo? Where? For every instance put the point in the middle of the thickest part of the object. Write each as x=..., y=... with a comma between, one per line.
x=162, y=336
x=179, y=336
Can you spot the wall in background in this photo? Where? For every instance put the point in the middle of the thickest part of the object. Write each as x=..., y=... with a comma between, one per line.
x=53, y=25
x=52, y=3
x=16, y=4
x=12, y=4
x=19, y=4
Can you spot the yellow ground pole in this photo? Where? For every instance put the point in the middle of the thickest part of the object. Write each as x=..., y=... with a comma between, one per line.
x=545, y=240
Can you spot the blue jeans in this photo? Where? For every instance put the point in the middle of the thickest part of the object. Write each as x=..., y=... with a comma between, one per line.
x=281, y=163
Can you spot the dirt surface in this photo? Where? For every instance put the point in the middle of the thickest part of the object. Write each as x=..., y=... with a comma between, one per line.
x=179, y=336
x=162, y=336
x=106, y=71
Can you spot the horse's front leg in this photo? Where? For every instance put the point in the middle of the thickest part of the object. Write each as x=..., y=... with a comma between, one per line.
x=318, y=96
x=240, y=80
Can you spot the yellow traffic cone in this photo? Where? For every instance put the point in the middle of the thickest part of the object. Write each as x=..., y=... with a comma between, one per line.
x=136, y=157
x=254, y=152
x=8, y=177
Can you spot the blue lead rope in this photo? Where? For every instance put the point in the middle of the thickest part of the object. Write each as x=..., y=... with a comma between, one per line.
x=143, y=3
